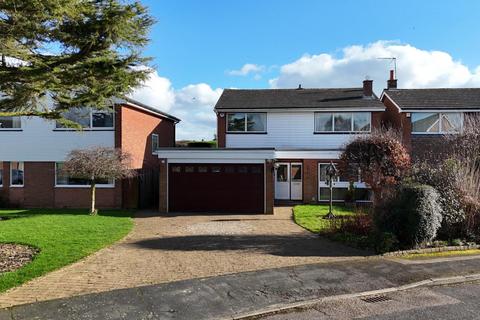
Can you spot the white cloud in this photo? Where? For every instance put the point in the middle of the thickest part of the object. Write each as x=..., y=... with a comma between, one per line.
x=193, y=104
x=416, y=68
x=248, y=68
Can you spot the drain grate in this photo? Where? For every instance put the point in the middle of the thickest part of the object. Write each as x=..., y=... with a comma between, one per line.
x=376, y=299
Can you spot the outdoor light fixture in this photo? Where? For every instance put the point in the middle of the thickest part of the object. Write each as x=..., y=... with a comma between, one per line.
x=331, y=173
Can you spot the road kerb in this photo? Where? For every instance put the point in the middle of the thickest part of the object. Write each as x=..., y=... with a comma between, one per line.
x=284, y=307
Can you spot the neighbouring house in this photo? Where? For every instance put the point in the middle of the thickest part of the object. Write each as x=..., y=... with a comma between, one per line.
x=274, y=146
x=424, y=116
x=32, y=151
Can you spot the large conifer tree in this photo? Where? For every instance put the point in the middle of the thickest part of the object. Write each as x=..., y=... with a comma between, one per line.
x=75, y=52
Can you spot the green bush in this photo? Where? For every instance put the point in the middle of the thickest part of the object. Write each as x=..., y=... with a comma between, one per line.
x=384, y=242
x=414, y=215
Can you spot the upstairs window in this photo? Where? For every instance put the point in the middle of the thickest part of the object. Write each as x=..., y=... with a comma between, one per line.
x=89, y=119
x=437, y=123
x=246, y=122
x=10, y=123
x=343, y=122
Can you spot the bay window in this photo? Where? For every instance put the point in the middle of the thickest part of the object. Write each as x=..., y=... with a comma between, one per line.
x=10, y=123
x=341, y=186
x=17, y=174
x=63, y=180
x=247, y=122
x=343, y=122
x=89, y=119
x=437, y=122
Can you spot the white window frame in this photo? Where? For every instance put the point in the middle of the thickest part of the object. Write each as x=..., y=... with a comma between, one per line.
x=11, y=175
x=81, y=186
x=245, y=130
x=90, y=126
x=333, y=122
x=338, y=184
x=440, y=129
x=12, y=129
x=154, y=135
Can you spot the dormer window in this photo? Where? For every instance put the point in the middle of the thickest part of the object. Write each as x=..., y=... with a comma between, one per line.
x=437, y=122
x=7, y=123
x=247, y=122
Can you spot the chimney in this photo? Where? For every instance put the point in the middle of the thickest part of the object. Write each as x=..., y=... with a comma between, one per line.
x=367, y=88
x=392, y=82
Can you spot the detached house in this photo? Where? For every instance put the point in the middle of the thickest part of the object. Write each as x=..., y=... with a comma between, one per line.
x=32, y=151
x=274, y=146
x=423, y=116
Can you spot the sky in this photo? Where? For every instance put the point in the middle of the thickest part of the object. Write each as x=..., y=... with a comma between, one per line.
x=201, y=47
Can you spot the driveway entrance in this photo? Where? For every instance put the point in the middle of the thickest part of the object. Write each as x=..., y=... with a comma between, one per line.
x=164, y=249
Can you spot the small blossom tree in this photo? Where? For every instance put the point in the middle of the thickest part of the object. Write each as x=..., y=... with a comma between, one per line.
x=98, y=163
x=379, y=157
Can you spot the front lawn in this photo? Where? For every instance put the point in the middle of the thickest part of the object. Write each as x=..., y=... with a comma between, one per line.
x=311, y=217
x=63, y=237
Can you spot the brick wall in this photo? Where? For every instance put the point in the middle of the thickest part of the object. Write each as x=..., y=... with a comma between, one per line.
x=163, y=189
x=221, y=130
x=310, y=181
x=39, y=190
x=269, y=187
x=135, y=137
x=392, y=117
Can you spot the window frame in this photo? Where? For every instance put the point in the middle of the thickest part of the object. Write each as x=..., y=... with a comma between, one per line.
x=155, y=135
x=11, y=175
x=245, y=130
x=90, y=126
x=13, y=129
x=81, y=186
x=352, y=121
x=440, y=129
x=338, y=184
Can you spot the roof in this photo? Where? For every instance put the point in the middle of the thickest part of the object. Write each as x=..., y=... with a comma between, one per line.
x=139, y=105
x=347, y=98
x=435, y=99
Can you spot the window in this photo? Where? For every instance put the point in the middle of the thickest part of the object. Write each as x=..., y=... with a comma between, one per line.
x=246, y=122
x=176, y=169
x=16, y=174
x=437, y=123
x=62, y=179
x=216, y=170
x=340, y=186
x=344, y=122
x=10, y=123
x=202, y=169
x=1, y=173
x=189, y=169
x=155, y=142
x=89, y=119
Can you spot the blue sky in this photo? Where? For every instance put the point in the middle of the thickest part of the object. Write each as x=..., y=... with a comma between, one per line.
x=202, y=42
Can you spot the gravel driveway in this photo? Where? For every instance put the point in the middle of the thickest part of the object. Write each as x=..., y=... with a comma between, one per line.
x=163, y=249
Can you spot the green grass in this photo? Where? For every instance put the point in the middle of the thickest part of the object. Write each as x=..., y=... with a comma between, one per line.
x=441, y=254
x=63, y=237
x=311, y=217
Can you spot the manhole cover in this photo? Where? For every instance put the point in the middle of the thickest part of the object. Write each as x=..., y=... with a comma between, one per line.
x=376, y=299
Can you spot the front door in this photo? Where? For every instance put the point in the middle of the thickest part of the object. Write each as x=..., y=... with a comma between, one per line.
x=282, y=181
x=296, y=182
x=289, y=181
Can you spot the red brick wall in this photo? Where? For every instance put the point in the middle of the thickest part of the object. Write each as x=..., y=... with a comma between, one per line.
x=163, y=189
x=135, y=137
x=221, y=130
x=310, y=181
x=269, y=187
x=392, y=117
x=39, y=190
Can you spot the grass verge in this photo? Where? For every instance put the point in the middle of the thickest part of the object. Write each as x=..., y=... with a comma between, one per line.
x=63, y=237
x=441, y=254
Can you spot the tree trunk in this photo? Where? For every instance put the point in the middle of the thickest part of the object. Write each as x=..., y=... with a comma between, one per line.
x=93, y=211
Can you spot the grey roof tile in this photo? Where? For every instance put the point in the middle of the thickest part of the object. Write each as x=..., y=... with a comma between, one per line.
x=441, y=98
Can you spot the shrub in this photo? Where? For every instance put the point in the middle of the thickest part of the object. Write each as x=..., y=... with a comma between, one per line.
x=384, y=242
x=380, y=157
x=444, y=179
x=413, y=216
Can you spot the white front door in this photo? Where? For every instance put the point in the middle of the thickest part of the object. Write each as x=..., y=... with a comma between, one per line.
x=282, y=181
x=296, y=182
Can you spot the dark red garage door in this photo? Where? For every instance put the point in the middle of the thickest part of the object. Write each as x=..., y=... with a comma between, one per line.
x=216, y=188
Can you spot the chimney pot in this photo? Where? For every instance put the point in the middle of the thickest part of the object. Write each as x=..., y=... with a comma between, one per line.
x=392, y=82
x=368, y=88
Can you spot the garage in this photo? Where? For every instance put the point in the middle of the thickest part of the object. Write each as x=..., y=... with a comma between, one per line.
x=216, y=188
